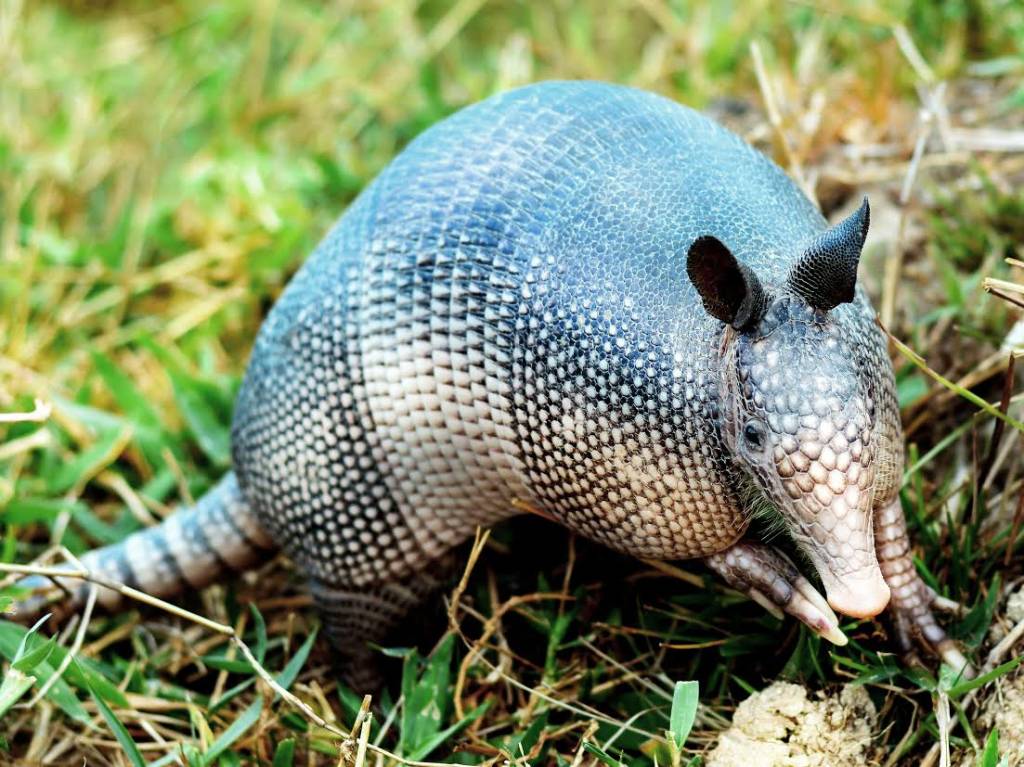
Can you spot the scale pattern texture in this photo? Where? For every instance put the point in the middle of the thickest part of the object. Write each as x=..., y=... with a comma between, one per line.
x=503, y=319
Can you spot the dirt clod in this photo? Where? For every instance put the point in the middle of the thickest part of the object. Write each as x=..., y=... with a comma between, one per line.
x=782, y=726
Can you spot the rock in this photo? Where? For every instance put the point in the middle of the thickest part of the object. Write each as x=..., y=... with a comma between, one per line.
x=1004, y=710
x=1014, y=614
x=1015, y=606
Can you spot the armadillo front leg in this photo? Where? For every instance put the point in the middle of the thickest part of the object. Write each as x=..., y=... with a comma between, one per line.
x=770, y=579
x=910, y=606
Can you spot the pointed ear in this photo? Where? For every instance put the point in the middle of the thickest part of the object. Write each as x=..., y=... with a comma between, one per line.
x=826, y=273
x=729, y=290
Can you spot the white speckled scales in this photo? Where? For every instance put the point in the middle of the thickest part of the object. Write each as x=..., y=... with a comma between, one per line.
x=504, y=314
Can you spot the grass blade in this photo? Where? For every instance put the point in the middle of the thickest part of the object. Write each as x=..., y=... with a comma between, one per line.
x=684, y=710
x=237, y=729
x=964, y=687
x=967, y=394
x=121, y=733
x=284, y=754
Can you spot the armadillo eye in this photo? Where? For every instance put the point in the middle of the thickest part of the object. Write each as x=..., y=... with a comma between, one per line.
x=754, y=435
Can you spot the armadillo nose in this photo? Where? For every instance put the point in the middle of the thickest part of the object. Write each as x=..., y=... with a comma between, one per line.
x=858, y=595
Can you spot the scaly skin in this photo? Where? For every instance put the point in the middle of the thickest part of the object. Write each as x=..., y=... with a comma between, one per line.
x=911, y=606
x=503, y=319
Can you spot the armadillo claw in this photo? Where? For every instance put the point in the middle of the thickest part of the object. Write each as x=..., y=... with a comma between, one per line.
x=950, y=606
x=952, y=657
x=812, y=608
x=770, y=579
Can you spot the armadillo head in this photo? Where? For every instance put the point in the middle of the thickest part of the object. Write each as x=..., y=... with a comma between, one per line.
x=800, y=416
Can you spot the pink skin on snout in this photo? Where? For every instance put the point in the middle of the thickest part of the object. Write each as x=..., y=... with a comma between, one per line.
x=860, y=594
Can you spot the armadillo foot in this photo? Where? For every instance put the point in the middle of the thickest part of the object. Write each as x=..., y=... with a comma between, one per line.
x=914, y=624
x=912, y=602
x=770, y=579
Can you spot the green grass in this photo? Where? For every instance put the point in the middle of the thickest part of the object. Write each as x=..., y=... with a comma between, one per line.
x=165, y=167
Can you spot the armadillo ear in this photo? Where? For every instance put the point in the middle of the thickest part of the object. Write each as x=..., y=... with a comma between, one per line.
x=729, y=290
x=826, y=274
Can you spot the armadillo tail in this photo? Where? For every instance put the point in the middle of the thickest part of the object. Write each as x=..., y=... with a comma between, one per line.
x=188, y=550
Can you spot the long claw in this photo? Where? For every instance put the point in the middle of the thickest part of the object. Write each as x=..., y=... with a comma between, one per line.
x=810, y=607
x=771, y=580
x=952, y=657
x=836, y=637
x=810, y=593
x=766, y=603
x=950, y=606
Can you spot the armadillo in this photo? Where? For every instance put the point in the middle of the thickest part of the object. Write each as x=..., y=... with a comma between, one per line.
x=584, y=300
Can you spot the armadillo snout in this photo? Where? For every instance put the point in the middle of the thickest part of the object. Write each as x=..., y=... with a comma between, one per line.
x=861, y=594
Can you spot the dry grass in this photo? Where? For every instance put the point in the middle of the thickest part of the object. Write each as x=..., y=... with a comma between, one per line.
x=165, y=167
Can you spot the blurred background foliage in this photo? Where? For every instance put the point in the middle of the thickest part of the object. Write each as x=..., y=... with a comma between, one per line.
x=165, y=167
